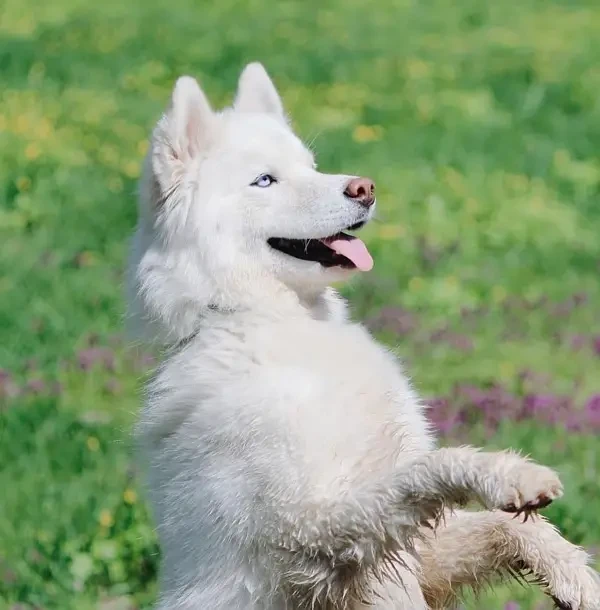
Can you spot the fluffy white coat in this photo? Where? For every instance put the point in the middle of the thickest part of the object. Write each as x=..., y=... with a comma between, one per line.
x=290, y=463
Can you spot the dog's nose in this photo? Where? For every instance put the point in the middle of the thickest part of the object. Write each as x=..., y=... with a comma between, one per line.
x=362, y=190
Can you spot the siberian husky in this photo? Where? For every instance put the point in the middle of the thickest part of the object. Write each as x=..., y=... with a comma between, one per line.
x=291, y=465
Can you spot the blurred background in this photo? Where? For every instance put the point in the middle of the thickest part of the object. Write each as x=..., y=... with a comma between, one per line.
x=480, y=123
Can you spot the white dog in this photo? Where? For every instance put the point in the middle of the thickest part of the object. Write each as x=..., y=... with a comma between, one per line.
x=291, y=465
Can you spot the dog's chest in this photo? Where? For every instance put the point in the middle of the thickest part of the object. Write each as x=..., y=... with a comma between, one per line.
x=342, y=398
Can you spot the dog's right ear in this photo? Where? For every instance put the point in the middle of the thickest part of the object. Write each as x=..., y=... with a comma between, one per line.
x=182, y=133
x=257, y=93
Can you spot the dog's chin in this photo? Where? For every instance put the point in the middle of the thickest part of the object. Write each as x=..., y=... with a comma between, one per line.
x=310, y=278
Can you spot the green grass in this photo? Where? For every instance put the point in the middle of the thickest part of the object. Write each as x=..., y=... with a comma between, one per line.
x=480, y=123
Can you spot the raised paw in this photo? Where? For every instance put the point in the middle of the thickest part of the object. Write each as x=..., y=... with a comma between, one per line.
x=528, y=488
x=529, y=508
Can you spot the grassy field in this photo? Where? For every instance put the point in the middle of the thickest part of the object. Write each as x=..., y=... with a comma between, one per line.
x=479, y=121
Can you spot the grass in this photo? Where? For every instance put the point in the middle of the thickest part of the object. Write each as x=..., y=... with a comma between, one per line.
x=480, y=123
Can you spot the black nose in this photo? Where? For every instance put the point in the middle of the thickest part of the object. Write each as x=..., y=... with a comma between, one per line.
x=362, y=190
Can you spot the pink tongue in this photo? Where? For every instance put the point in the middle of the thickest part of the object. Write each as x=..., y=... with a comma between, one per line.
x=353, y=249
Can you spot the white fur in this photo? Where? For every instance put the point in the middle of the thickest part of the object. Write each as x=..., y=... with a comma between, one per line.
x=290, y=463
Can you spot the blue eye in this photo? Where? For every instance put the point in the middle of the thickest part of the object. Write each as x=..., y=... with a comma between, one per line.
x=264, y=180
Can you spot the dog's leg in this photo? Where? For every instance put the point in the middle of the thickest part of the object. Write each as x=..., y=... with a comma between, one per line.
x=399, y=594
x=419, y=489
x=471, y=549
x=454, y=476
x=365, y=530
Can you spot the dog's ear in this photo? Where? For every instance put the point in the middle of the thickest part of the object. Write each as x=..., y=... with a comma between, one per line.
x=183, y=132
x=257, y=93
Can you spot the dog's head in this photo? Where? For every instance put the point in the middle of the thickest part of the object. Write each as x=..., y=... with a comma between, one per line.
x=232, y=204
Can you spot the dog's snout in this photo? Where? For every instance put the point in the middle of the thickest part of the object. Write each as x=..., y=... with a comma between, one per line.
x=362, y=190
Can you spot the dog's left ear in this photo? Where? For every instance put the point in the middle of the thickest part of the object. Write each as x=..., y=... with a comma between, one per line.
x=257, y=93
x=182, y=133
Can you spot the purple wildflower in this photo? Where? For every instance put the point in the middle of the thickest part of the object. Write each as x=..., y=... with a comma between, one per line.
x=550, y=408
x=439, y=335
x=36, y=386
x=536, y=404
x=93, y=356
x=32, y=364
x=574, y=422
x=9, y=577
x=592, y=410
x=561, y=310
x=8, y=387
x=393, y=319
x=494, y=403
x=461, y=342
x=443, y=415
x=577, y=342
x=113, y=386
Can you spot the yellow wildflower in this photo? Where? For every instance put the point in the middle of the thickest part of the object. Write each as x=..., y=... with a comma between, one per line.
x=32, y=152
x=106, y=518
x=367, y=133
x=129, y=496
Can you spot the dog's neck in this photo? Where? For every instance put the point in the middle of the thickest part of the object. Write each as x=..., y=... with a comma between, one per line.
x=171, y=293
x=248, y=288
x=325, y=305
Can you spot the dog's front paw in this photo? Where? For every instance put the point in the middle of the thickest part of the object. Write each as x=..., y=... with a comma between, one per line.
x=527, y=487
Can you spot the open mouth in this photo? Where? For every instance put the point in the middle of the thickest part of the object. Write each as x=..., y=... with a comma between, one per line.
x=339, y=250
